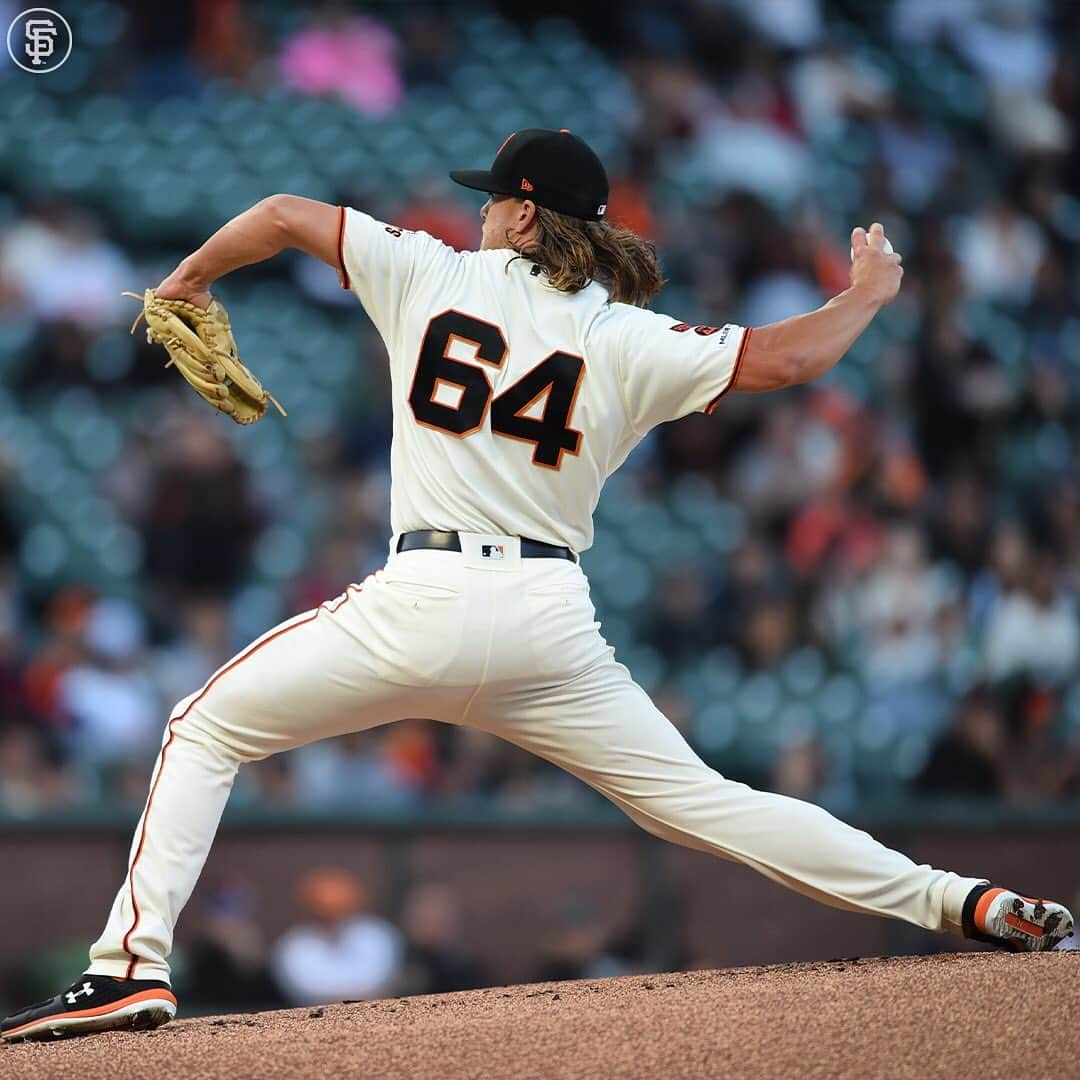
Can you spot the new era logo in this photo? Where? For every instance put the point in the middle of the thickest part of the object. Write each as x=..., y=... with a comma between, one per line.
x=491, y=551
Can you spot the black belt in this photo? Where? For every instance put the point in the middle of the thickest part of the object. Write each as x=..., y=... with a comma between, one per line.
x=450, y=541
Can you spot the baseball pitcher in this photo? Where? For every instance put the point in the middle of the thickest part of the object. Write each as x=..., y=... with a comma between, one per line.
x=523, y=374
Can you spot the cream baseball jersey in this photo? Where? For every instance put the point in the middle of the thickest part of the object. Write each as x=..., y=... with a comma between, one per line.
x=514, y=401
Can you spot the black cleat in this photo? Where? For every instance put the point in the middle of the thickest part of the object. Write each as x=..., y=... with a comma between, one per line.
x=94, y=1003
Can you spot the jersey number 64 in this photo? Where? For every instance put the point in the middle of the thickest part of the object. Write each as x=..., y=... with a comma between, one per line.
x=555, y=380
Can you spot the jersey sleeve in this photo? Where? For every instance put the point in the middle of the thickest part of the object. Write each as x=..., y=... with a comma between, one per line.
x=383, y=264
x=669, y=369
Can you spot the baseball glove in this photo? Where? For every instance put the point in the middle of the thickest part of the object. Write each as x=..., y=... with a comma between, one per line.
x=200, y=343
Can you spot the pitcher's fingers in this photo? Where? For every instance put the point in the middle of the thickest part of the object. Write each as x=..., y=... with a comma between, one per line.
x=876, y=238
x=858, y=238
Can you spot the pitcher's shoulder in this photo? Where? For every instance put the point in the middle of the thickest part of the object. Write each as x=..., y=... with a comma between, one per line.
x=608, y=319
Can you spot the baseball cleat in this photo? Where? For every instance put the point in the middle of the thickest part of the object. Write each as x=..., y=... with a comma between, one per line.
x=1011, y=921
x=94, y=1003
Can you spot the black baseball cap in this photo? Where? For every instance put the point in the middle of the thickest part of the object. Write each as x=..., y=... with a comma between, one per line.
x=553, y=168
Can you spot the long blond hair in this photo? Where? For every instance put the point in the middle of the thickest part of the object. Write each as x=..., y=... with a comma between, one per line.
x=575, y=253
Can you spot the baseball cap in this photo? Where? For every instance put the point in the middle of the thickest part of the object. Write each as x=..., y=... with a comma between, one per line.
x=555, y=169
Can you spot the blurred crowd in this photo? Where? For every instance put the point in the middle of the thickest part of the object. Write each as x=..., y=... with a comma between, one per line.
x=341, y=946
x=914, y=519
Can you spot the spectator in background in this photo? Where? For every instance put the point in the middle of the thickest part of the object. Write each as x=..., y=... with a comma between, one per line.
x=831, y=84
x=753, y=575
x=161, y=50
x=582, y=944
x=429, y=47
x=1000, y=251
x=200, y=519
x=269, y=784
x=795, y=457
x=226, y=964
x=57, y=265
x=227, y=42
x=897, y=609
x=526, y=784
x=770, y=634
x=436, y=961
x=1033, y=627
x=14, y=706
x=959, y=530
x=1040, y=767
x=1010, y=47
x=917, y=153
x=680, y=626
x=354, y=56
x=341, y=951
x=201, y=645
x=381, y=769
x=804, y=769
x=1004, y=572
x=971, y=757
x=63, y=621
x=31, y=781
x=112, y=708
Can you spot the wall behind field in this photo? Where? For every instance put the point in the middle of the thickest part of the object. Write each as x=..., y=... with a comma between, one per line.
x=692, y=910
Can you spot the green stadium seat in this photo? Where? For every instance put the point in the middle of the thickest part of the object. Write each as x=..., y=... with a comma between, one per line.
x=839, y=701
x=795, y=723
x=720, y=672
x=714, y=728
x=759, y=698
x=803, y=672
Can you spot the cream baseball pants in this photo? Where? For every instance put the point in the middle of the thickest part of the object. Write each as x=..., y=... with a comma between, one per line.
x=507, y=645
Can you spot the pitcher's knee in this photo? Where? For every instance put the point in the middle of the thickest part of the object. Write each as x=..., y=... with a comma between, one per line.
x=193, y=722
x=676, y=811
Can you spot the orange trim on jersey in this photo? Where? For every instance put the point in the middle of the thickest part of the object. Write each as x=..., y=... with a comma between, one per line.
x=101, y=1010
x=569, y=412
x=252, y=649
x=734, y=373
x=343, y=274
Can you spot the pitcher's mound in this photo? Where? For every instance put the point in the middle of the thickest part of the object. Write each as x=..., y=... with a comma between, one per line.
x=953, y=1015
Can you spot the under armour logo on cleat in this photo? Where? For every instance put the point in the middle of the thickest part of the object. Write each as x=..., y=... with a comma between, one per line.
x=87, y=989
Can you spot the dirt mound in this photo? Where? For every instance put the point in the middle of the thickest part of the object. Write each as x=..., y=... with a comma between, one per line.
x=949, y=1015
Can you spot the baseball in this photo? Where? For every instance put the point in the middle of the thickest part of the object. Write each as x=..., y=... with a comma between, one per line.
x=888, y=249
